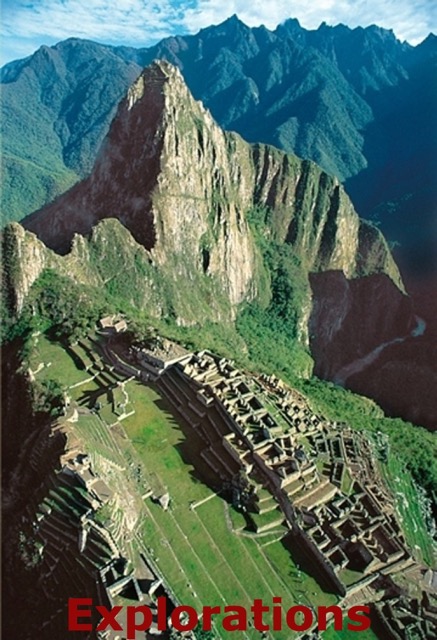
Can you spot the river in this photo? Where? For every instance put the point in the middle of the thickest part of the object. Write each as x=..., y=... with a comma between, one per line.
x=360, y=364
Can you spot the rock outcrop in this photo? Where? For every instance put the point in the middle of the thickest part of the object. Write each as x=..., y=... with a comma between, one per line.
x=350, y=318
x=183, y=188
x=180, y=193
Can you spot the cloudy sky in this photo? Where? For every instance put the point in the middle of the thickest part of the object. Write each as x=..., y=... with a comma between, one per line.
x=26, y=24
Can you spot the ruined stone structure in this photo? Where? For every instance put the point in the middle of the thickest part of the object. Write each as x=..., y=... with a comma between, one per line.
x=294, y=472
x=320, y=474
x=401, y=618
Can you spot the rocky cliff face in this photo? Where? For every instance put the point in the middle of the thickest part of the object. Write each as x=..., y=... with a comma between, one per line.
x=183, y=188
x=164, y=217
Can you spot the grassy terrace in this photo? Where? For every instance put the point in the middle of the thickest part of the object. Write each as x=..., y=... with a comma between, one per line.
x=330, y=634
x=196, y=549
x=206, y=554
x=58, y=361
x=66, y=365
x=409, y=509
x=270, y=517
x=98, y=438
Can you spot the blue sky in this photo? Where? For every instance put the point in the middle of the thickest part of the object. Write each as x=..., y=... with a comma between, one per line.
x=26, y=24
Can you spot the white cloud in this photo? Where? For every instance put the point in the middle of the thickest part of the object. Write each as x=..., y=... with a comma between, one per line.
x=123, y=21
x=28, y=23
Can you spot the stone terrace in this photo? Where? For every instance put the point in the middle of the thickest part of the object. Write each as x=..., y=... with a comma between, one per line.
x=285, y=464
x=320, y=475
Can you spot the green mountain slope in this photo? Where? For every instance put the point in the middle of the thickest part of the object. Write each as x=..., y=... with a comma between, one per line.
x=191, y=225
x=55, y=114
x=358, y=102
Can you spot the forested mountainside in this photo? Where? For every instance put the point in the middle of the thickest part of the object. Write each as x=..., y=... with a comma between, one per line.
x=215, y=229
x=199, y=205
x=356, y=101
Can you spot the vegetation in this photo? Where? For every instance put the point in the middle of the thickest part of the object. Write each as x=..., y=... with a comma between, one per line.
x=267, y=335
x=331, y=634
x=239, y=568
x=203, y=635
x=330, y=109
x=26, y=185
x=413, y=445
x=46, y=147
x=48, y=397
x=49, y=360
x=59, y=305
x=270, y=325
x=411, y=507
x=263, y=339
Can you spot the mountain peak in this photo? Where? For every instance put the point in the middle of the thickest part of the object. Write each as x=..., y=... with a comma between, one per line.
x=161, y=66
x=232, y=27
x=429, y=44
x=235, y=21
x=292, y=22
x=128, y=164
x=155, y=75
x=183, y=187
x=290, y=26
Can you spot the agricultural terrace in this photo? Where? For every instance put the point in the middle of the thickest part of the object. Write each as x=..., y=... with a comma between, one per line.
x=410, y=507
x=200, y=544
